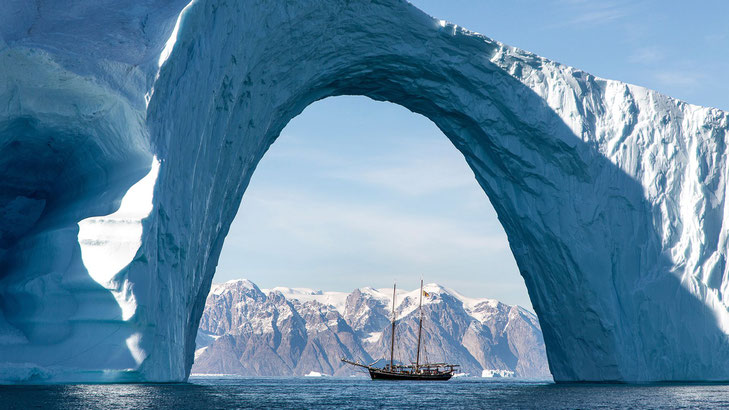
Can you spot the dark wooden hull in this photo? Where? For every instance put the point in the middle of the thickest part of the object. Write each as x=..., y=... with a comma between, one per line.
x=377, y=374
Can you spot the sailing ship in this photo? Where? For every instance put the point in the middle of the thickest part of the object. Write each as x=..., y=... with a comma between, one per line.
x=413, y=371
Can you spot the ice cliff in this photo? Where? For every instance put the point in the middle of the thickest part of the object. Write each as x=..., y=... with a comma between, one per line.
x=612, y=196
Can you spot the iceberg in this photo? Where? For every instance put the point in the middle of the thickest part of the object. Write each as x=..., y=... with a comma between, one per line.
x=612, y=196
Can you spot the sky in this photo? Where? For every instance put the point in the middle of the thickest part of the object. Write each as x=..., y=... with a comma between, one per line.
x=361, y=193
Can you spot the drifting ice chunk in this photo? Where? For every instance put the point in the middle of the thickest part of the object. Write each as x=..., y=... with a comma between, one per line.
x=497, y=373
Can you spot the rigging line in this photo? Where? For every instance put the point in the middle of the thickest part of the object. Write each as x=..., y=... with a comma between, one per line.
x=425, y=346
x=399, y=350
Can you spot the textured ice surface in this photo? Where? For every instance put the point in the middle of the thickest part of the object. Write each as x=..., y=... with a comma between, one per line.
x=612, y=196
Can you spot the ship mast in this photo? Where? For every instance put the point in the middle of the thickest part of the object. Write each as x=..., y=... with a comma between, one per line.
x=420, y=327
x=392, y=340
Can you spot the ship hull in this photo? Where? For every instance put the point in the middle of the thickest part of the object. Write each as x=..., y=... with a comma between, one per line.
x=384, y=375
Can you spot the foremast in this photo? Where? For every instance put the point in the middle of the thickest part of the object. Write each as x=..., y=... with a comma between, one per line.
x=420, y=327
x=392, y=338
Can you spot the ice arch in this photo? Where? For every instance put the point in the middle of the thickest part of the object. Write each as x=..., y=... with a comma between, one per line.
x=612, y=195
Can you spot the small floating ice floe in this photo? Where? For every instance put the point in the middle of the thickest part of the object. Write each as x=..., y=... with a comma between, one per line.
x=497, y=373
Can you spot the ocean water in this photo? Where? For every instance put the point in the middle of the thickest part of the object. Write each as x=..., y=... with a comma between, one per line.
x=334, y=393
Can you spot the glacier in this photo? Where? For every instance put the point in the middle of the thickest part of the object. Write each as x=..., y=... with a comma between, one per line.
x=612, y=196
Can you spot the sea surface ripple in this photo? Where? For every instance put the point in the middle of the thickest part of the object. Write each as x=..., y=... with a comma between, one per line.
x=359, y=393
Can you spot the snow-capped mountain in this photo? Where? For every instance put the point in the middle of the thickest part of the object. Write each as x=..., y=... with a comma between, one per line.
x=293, y=331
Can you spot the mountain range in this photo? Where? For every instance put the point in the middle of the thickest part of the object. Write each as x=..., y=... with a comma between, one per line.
x=250, y=331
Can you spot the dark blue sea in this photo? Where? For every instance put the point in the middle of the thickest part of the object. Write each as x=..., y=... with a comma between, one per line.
x=333, y=393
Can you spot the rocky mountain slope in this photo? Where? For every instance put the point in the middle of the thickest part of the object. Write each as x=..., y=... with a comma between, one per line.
x=282, y=331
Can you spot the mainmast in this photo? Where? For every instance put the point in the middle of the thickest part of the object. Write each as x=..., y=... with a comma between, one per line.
x=420, y=327
x=392, y=340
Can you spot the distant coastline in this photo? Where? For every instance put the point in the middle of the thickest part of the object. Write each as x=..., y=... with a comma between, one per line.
x=248, y=331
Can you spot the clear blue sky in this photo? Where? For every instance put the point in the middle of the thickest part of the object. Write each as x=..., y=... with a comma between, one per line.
x=358, y=193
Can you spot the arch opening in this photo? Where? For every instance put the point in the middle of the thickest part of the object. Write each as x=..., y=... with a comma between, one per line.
x=373, y=157
x=353, y=194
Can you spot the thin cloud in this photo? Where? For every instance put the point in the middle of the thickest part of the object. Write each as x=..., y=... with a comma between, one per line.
x=381, y=233
x=599, y=16
x=290, y=147
x=412, y=168
x=413, y=176
x=716, y=37
x=680, y=78
x=590, y=12
x=647, y=55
